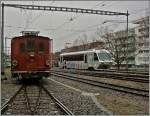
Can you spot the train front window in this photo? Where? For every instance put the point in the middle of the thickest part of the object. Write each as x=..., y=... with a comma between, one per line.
x=31, y=45
x=104, y=56
x=41, y=48
x=95, y=57
x=22, y=48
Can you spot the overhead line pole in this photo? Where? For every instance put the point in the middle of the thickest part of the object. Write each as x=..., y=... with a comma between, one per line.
x=64, y=9
x=2, y=40
x=127, y=43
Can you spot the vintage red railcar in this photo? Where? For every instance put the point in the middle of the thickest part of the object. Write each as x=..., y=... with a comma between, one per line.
x=31, y=55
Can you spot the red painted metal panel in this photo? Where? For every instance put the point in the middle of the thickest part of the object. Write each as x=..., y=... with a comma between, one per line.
x=30, y=61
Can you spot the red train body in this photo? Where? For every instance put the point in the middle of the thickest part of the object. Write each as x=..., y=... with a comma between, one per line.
x=31, y=55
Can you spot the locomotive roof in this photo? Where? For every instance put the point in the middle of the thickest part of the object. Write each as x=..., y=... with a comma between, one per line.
x=83, y=52
x=26, y=36
x=34, y=33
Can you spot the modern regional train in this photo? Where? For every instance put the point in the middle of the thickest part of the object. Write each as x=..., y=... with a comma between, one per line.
x=90, y=59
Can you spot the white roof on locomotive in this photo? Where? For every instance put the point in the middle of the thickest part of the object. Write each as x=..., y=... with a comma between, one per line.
x=84, y=52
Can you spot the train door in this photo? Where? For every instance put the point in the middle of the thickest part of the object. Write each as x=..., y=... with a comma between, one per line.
x=90, y=60
x=31, y=58
x=61, y=62
x=42, y=56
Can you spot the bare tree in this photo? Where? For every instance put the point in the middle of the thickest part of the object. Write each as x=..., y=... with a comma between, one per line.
x=114, y=44
x=84, y=42
x=118, y=44
x=93, y=38
x=76, y=42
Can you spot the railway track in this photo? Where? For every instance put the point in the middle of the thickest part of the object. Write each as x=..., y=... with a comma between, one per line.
x=109, y=75
x=134, y=91
x=124, y=71
x=34, y=100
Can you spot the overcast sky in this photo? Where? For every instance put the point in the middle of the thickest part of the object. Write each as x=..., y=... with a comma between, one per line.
x=59, y=27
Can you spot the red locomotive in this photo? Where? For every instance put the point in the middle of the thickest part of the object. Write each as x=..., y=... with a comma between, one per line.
x=31, y=55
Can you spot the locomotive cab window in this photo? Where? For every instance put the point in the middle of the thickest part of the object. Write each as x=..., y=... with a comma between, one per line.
x=22, y=48
x=41, y=48
x=31, y=45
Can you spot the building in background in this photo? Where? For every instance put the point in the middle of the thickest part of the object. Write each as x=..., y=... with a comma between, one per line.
x=142, y=43
x=123, y=50
x=93, y=45
x=137, y=45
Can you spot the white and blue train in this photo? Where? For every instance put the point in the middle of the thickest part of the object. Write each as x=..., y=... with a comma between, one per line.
x=90, y=59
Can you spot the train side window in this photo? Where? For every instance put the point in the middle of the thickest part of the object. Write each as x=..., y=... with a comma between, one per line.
x=81, y=57
x=95, y=57
x=85, y=58
x=22, y=48
x=41, y=48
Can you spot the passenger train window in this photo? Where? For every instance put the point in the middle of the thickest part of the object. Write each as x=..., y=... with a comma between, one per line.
x=95, y=56
x=30, y=46
x=85, y=58
x=22, y=48
x=41, y=48
x=79, y=57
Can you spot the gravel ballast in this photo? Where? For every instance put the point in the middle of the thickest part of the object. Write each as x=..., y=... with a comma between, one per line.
x=8, y=89
x=116, y=102
x=84, y=99
x=79, y=102
x=125, y=83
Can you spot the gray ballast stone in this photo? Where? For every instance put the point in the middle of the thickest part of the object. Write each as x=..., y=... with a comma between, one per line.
x=79, y=103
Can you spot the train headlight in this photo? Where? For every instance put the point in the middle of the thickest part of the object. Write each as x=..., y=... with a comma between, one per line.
x=48, y=62
x=14, y=63
x=31, y=54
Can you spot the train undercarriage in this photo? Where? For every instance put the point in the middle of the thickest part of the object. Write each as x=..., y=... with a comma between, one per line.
x=32, y=74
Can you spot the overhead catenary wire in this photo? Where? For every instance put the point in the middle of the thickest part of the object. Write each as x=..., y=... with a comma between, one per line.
x=67, y=9
x=33, y=20
x=101, y=3
x=86, y=30
x=75, y=17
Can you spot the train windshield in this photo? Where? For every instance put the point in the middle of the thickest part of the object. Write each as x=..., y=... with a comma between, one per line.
x=104, y=56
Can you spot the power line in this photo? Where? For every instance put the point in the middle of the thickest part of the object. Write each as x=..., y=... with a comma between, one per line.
x=65, y=9
x=138, y=11
x=84, y=30
x=42, y=13
x=82, y=14
x=74, y=30
x=106, y=5
x=99, y=4
x=75, y=17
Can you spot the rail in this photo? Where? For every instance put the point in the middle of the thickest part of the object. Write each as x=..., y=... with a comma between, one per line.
x=135, y=78
x=138, y=92
x=29, y=97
